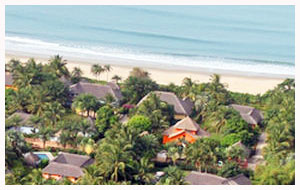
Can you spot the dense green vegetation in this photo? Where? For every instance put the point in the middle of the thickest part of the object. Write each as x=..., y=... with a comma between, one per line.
x=124, y=152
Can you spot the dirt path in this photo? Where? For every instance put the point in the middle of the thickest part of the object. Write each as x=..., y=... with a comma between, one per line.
x=258, y=158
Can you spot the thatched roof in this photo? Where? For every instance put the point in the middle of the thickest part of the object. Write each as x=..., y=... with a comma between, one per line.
x=25, y=117
x=197, y=178
x=113, y=85
x=242, y=146
x=98, y=90
x=8, y=78
x=183, y=107
x=239, y=180
x=186, y=125
x=249, y=114
x=67, y=164
x=63, y=169
x=72, y=159
x=67, y=82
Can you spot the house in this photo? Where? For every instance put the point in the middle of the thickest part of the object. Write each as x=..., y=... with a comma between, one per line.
x=187, y=129
x=243, y=147
x=197, y=178
x=97, y=90
x=67, y=165
x=251, y=115
x=243, y=163
x=24, y=125
x=182, y=108
x=9, y=81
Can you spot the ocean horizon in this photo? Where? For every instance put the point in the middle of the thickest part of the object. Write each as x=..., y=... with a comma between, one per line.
x=258, y=40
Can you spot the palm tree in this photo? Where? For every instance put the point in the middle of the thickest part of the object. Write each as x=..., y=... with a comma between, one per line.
x=85, y=102
x=139, y=73
x=173, y=176
x=173, y=153
x=45, y=134
x=53, y=112
x=201, y=105
x=202, y=153
x=117, y=78
x=188, y=86
x=91, y=176
x=34, y=178
x=107, y=69
x=58, y=66
x=77, y=72
x=24, y=76
x=97, y=70
x=109, y=99
x=12, y=65
x=215, y=78
x=144, y=168
x=37, y=100
x=64, y=138
x=85, y=126
x=87, y=145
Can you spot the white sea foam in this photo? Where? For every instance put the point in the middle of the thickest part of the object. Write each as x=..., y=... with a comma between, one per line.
x=35, y=46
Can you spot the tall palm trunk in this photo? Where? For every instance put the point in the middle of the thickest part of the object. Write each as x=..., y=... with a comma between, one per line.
x=44, y=144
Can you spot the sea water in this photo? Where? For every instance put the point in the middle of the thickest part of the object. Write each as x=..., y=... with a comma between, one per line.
x=248, y=39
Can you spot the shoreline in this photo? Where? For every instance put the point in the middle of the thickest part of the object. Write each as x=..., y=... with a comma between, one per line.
x=237, y=82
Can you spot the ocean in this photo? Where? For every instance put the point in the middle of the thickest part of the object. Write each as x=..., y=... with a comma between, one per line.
x=255, y=40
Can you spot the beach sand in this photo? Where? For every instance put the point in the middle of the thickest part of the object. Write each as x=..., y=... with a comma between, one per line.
x=235, y=83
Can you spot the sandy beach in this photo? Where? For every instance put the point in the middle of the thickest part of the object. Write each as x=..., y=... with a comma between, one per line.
x=235, y=83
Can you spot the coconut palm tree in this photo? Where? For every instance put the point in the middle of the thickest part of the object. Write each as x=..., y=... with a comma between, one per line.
x=35, y=177
x=173, y=176
x=173, y=154
x=139, y=73
x=12, y=65
x=64, y=138
x=97, y=70
x=144, y=169
x=53, y=112
x=77, y=72
x=37, y=100
x=117, y=78
x=87, y=145
x=58, y=65
x=202, y=153
x=91, y=176
x=85, y=102
x=107, y=68
x=45, y=133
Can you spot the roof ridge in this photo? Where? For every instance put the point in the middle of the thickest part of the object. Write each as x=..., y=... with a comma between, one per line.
x=179, y=101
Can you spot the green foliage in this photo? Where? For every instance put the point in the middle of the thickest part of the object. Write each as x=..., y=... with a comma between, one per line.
x=204, y=153
x=275, y=173
x=135, y=88
x=97, y=70
x=15, y=146
x=230, y=169
x=236, y=125
x=230, y=139
x=86, y=102
x=10, y=107
x=173, y=176
x=105, y=119
x=140, y=123
x=160, y=113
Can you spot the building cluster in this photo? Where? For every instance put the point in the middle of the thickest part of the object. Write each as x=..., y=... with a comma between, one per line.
x=70, y=165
